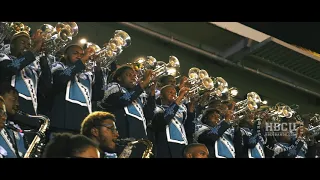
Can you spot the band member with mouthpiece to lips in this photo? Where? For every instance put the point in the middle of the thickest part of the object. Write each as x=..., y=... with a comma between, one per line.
x=170, y=123
x=123, y=99
x=217, y=133
x=101, y=128
x=74, y=89
x=67, y=145
x=18, y=69
x=11, y=142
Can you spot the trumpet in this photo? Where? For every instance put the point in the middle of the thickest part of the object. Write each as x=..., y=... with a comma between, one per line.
x=106, y=55
x=171, y=68
x=251, y=103
x=91, y=63
x=140, y=65
x=195, y=75
x=229, y=94
x=56, y=38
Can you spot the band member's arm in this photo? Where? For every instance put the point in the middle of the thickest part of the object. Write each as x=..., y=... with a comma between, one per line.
x=115, y=95
x=45, y=79
x=239, y=141
x=113, y=67
x=257, y=135
x=149, y=108
x=97, y=87
x=163, y=118
x=9, y=67
x=210, y=136
x=189, y=124
x=62, y=76
x=298, y=150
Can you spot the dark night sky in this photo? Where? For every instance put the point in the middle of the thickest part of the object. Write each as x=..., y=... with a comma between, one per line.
x=305, y=34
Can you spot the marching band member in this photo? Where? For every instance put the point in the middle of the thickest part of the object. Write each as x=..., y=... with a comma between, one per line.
x=17, y=68
x=101, y=128
x=12, y=144
x=196, y=150
x=172, y=122
x=123, y=99
x=217, y=136
x=74, y=89
x=247, y=140
x=67, y=145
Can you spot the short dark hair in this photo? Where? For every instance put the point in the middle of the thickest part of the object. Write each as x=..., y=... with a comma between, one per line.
x=207, y=112
x=64, y=145
x=187, y=148
x=5, y=87
x=94, y=119
x=66, y=49
x=120, y=71
x=163, y=79
x=165, y=87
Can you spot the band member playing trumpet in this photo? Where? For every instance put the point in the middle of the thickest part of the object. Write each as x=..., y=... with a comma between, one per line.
x=217, y=134
x=74, y=89
x=172, y=122
x=247, y=141
x=123, y=99
x=100, y=127
x=17, y=68
x=11, y=142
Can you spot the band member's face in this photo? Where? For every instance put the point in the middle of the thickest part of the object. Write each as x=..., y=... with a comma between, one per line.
x=223, y=108
x=198, y=152
x=74, y=53
x=107, y=136
x=90, y=152
x=213, y=119
x=12, y=102
x=169, y=94
x=170, y=81
x=19, y=45
x=3, y=115
x=128, y=79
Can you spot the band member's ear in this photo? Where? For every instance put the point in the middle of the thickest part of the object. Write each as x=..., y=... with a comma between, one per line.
x=119, y=78
x=94, y=132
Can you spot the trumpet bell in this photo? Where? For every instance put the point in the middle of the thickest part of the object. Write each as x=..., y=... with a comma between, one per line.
x=47, y=31
x=123, y=38
x=233, y=92
x=160, y=64
x=95, y=47
x=252, y=105
x=208, y=83
x=151, y=61
x=254, y=96
x=174, y=62
x=172, y=71
x=203, y=74
x=193, y=73
x=74, y=28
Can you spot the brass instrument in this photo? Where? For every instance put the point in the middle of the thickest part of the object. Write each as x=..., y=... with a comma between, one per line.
x=220, y=87
x=56, y=38
x=171, y=68
x=131, y=142
x=281, y=110
x=140, y=65
x=315, y=120
x=229, y=94
x=106, y=55
x=38, y=143
x=250, y=104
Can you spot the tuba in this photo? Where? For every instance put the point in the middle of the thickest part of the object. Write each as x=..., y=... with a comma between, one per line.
x=36, y=147
x=131, y=142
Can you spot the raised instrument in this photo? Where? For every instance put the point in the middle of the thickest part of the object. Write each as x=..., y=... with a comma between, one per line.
x=58, y=36
x=130, y=144
x=36, y=147
x=250, y=104
x=106, y=55
x=171, y=68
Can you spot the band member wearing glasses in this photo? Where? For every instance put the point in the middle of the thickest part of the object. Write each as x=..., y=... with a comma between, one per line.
x=67, y=145
x=74, y=89
x=11, y=142
x=196, y=150
x=100, y=127
x=171, y=123
x=123, y=99
x=216, y=133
